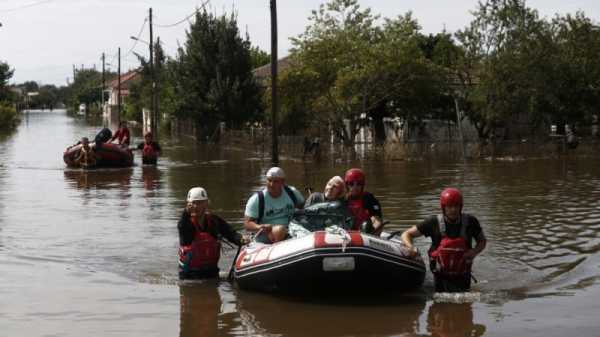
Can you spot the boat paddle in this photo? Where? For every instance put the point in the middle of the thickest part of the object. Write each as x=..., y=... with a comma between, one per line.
x=230, y=275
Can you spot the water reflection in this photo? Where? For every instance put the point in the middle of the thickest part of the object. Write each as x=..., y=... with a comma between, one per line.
x=99, y=178
x=200, y=306
x=151, y=176
x=340, y=315
x=453, y=320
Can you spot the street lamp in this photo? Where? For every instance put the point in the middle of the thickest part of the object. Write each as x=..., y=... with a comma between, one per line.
x=138, y=39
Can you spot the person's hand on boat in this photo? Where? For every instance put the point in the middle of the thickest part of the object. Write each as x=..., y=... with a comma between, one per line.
x=412, y=251
x=266, y=228
x=244, y=240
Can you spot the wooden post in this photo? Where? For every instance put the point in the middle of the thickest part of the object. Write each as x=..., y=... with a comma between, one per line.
x=119, y=89
x=274, y=103
x=153, y=119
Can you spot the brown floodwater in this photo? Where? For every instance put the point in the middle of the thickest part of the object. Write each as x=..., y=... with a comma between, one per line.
x=94, y=253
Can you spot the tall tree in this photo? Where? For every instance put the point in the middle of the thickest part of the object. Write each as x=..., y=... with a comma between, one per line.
x=214, y=74
x=505, y=54
x=356, y=69
x=5, y=74
x=574, y=81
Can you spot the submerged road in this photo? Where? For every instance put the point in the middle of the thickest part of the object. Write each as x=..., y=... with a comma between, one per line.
x=93, y=253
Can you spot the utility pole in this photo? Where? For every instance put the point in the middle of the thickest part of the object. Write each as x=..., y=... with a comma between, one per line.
x=274, y=105
x=119, y=89
x=157, y=68
x=154, y=117
x=103, y=78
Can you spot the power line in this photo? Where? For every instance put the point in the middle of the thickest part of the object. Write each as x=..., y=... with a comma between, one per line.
x=25, y=6
x=184, y=19
x=138, y=37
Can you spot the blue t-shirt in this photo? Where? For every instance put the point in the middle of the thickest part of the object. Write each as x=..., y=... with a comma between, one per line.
x=278, y=211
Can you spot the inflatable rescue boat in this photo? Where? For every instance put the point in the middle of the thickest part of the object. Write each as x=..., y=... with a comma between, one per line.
x=108, y=155
x=327, y=255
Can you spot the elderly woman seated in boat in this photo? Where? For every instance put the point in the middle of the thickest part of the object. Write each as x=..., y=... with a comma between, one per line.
x=335, y=189
x=323, y=210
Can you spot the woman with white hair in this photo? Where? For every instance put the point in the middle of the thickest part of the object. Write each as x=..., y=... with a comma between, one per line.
x=335, y=189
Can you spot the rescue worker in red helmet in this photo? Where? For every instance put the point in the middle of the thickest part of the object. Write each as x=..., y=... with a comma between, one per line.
x=452, y=233
x=200, y=233
x=363, y=205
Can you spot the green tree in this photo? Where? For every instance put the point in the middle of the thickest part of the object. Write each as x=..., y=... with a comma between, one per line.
x=574, y=76
x=141, y=90
x=258, y=57
x=214, y=74
x=8, y=115
x=503, y=69
x=86, y=88
x=354, y=68
x=5, y=74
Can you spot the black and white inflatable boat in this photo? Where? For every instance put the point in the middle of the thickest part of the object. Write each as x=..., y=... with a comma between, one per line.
x=329, y=259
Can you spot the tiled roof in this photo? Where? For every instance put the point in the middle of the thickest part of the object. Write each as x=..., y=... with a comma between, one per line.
x=264, y=72
x=128, y=76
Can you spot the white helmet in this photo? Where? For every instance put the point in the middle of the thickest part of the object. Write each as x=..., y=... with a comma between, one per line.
x=197, y=193
x=276, y=172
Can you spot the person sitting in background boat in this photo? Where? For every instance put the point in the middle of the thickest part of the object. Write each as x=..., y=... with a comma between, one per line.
x=150, y=149
x=200, y=233
x=102, y=137
x=363, y=206
x=451, y=253
x=122, y=135
x=268, y=212
x=335, y=189
x=87, y=157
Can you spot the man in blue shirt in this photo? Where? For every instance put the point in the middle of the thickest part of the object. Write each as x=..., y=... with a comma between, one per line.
x=269, y=211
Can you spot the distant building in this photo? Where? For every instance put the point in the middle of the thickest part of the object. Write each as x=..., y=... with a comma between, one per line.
x=111, y=110
x=113, y=87
x=263, y=73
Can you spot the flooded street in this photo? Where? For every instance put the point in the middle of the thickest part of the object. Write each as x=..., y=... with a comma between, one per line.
x=94, y=253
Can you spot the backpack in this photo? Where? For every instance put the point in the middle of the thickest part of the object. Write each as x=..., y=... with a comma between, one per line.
x=261, y=201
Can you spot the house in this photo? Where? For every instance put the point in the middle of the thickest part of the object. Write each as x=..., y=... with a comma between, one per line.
x=111, y=109
x=113, y=87
x=263, y=73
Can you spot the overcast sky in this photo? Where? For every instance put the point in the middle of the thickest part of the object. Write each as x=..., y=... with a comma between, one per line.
x=42, y=39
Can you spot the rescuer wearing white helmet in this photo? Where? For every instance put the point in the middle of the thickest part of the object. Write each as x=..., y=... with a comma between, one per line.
x=269, y=211
x=200, y=235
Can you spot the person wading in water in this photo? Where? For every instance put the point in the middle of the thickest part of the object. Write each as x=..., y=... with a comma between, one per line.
x=200, y=234
x=451, y=253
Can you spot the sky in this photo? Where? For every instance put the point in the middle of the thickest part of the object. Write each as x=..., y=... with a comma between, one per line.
x=42, y=39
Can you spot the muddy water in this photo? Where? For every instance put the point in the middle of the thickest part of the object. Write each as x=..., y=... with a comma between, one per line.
x=94, y=253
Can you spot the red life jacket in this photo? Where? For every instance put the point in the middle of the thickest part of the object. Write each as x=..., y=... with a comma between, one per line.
x=148, y=151
x=204, y=251
x=358, y=211
x=449, y=255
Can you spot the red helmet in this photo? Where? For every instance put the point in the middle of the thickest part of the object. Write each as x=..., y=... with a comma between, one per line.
x=354, y=175
x=451, y=196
